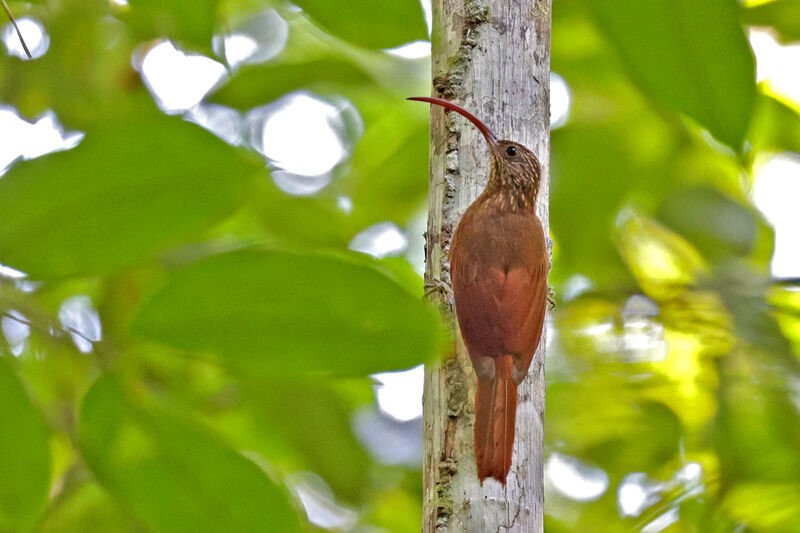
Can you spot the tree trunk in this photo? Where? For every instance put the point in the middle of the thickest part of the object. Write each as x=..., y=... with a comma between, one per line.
x=493, y=57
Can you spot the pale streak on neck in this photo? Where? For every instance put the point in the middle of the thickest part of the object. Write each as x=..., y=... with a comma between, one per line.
x=506, y=192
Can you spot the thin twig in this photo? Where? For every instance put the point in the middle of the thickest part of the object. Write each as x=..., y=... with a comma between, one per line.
x=57, y=332
x=19, y=33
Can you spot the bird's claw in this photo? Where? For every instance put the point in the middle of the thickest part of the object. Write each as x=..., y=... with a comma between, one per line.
x=438, y=285
x=441, y=287
x=551, y=298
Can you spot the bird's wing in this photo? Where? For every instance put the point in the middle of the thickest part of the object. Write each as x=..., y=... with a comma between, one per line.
x=500, y=291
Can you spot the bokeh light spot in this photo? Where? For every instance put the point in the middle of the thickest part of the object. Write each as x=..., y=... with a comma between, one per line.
x=16, y=331
x=178, y=81
x=320, y=503
x=389, y=440
x=636, y=493
x=34, y=34
x=414, y=50
x=224, y=122
x=399, y=394
x=776, y=65
x=560, y=101
x=27, y=140
x=383, y=239
x=78, y=316
x=301, y=135
x=775, y=193
x=257, y=39
x=574, y=479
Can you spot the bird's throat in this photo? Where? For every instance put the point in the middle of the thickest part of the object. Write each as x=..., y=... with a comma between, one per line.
x=505, y=191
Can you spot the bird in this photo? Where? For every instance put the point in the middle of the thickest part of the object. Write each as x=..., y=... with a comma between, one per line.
x=499, y=263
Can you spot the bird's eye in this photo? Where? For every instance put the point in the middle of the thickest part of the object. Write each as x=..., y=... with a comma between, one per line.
x=512, y=151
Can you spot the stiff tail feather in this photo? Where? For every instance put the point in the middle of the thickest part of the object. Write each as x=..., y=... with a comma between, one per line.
x=495, y=416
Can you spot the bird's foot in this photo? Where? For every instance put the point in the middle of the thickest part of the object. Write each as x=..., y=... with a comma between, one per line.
x=440, y=287
x=551, y=298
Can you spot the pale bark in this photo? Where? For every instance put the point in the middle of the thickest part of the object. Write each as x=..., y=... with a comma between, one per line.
x=492, y=57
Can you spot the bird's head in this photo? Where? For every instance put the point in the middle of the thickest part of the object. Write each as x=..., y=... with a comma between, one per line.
x=510, y=160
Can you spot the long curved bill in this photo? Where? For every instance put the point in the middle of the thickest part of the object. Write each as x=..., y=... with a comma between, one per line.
x=483, y=128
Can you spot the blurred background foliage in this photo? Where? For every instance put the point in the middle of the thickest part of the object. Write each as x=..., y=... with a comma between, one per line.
x=224, y=241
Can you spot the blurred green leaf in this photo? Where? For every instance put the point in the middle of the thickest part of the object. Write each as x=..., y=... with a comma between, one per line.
x=313, y=61
x=173, y=475
x=57, y=381
x=714, y=223
x=783, y=15
x=128, y=190
x=401, y=271
x=189, y=22
x=269, y=313
x=785, y=304
x=259, y=84
x=24, y=455
x=662, y=262
x=776, y=125
x=758, y=426
x=769, y=508
x=316, y=424
x=89, y=509
x=744, y=291
x=602, y=421
x=702, y=515
x=397, y=510
x=653, y=438
x=373, y=24
x=389, y=175
x=591, y=175
x=690, y=55
x=315, y=221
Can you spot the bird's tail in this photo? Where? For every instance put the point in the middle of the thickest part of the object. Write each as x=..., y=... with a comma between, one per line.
x=495, y=415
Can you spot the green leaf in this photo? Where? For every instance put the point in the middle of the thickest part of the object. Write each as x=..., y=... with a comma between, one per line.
x=776, y=126
x=692, y=56
x=314, y=421
x=174, y=476
x=744, y=291
x=373, y=24
x=189, y=22
x=128, y=190
x=770, y=507
x=310, y=62
x=397, y=510
x=315, y=221
x=783, y=15
x=269, y=313
x=388, y=179
x=24, y=455
x=652, y=437
x=259, y=84
x=714, y=223
x=89, y=509
x=591, y=175
x=662, y=261
x=608, y=412
x=757, y=433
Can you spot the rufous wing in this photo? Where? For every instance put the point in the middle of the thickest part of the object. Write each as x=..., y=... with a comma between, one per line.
x=500, y=290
